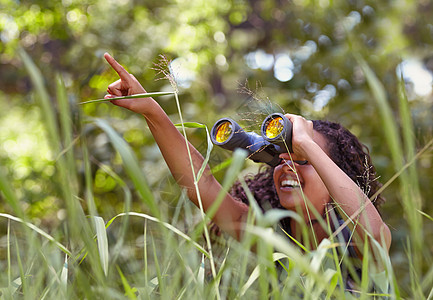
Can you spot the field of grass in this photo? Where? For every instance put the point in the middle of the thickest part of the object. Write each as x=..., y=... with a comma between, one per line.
x=169, y=254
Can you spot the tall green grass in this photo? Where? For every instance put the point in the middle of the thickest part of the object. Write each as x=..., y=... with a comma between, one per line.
x=153, y=254
x=401, y=144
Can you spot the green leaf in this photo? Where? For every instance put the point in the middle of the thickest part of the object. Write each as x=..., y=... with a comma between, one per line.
x=209, y=144
x=158, y=269
x=101, y=235
x=67, y=130
x=48, y=111
x=207, y=157
x=129, y=292
x=151, y=285
x=273, y=216
x=64, y=273
x=200, y=273
x=9, y=194
x=256, y=273
x=390, y=129
x=239, y=156
x=40, y=231
x=131, y=165
x=167, y=225
x=365, y=262
x=225, y=164
x=15, y=285
x=191, y=125
x=425, y=215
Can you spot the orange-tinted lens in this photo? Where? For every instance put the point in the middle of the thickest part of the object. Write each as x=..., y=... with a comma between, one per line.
x=223, y=132
x=274, y=127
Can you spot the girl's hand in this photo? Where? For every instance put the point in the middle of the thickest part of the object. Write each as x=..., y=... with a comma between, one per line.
x=302, y=135
x=125, y=86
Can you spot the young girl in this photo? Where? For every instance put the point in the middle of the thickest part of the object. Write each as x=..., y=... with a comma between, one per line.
x=326, y=164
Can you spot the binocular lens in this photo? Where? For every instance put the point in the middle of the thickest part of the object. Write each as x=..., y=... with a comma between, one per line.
x=223, y=132
x=274, y=127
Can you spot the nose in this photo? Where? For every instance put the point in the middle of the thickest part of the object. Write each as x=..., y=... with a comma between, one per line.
x=293, y=158
x=290, y=165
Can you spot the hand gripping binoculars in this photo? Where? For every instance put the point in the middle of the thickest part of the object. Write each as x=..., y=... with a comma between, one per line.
x=275, y=138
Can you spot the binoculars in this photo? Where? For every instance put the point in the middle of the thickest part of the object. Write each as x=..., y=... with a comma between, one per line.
x=275, y=138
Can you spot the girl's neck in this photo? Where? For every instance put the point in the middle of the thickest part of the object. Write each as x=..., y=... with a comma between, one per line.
x=313, y=234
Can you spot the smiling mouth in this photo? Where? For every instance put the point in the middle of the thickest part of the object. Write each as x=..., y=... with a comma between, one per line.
x=289, y=183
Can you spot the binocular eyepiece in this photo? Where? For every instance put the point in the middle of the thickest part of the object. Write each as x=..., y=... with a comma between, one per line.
x=275, y=138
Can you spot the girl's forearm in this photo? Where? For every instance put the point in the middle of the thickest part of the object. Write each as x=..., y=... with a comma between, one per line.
x=174, y=149
x=348, y=196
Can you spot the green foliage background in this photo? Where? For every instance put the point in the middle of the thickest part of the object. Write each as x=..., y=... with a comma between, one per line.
x=214, y=42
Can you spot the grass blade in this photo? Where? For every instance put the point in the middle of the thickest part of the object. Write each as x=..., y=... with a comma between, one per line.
x=256, y=273
x=36, y=229
x=131, y=165
x=364, y=278
x=191, y=125
x=43, y=97
x=387, y=118
x=88, y=179
x=196, y=180
x=24, y=284
x=221, y=166
x=158, y=270
x=145, y=260
x=209, y=144
x=145, y=95
x=426, y=215
x=9, y=195
x=8, y=241
x=409, y=140
x=315, y=264
x=239, y=156
x=101, y=235
x=67, y=131
x=15, y=285
x=430, y=296
x=127, y=205
x=408, y=186
x=152, y=285
x=167, y=225
x=64, y=274
x=200, y=273
x=49, y=118
x=129, y=292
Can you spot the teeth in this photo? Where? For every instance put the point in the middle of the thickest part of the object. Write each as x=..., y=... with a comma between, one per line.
x=290, y=183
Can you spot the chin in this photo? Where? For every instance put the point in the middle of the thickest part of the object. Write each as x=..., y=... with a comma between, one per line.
x=291, y=202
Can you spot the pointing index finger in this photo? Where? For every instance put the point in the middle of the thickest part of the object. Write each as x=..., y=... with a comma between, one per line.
x=123, y=74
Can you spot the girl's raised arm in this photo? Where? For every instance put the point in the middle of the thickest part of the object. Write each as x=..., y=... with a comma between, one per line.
x=342, y=189
x=232, y=213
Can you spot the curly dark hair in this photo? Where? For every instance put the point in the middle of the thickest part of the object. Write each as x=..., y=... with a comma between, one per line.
x=345, y=150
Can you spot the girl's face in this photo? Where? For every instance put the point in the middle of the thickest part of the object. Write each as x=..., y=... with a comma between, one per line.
x=296, y=183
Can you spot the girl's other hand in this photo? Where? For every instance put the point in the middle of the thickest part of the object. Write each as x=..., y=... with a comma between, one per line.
x=302, y=135
x=127, y=85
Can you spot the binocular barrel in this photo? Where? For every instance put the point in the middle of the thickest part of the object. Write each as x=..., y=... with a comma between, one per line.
x=276, y=138
x=277, y=130
x=227, y=134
